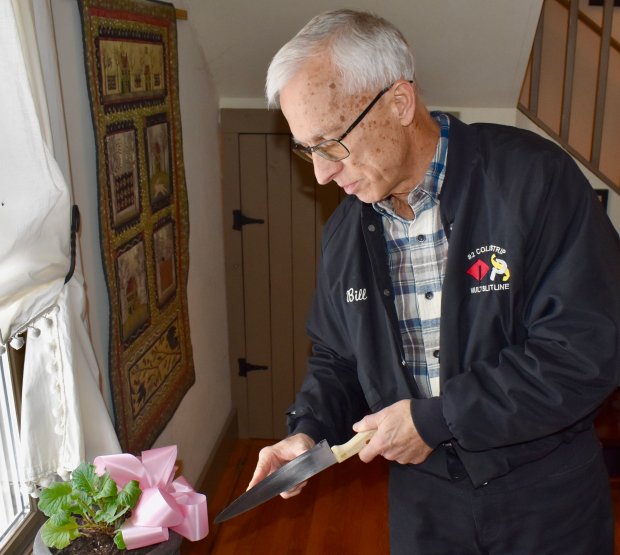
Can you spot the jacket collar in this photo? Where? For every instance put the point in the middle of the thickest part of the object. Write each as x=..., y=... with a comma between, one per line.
x=462, y=154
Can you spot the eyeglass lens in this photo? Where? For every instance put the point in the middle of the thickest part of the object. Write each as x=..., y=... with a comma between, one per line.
x=331, y=149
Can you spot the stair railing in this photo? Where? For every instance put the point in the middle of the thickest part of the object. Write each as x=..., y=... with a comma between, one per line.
x=572, y=85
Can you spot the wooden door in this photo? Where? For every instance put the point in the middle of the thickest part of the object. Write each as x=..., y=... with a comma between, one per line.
x=271, y=263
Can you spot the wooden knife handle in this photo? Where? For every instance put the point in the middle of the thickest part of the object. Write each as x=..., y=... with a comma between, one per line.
x=353, y=446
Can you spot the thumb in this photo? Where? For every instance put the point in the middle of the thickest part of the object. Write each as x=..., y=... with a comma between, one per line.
x=260, y=472
x=256, y=477
x=366, y=423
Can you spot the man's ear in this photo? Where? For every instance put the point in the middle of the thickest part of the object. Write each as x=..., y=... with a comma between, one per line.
x=404, y=101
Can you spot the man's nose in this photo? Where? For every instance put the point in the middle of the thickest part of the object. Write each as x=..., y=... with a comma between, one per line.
x=325, y=170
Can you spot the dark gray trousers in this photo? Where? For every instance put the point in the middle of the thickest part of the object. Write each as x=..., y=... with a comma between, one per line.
x=567, y=511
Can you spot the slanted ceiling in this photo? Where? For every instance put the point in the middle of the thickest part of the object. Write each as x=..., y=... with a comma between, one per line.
x=469, y=53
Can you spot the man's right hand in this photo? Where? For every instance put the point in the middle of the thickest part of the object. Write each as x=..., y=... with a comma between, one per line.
x=273, y=457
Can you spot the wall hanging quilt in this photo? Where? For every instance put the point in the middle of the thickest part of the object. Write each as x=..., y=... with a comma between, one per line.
x=130, y=54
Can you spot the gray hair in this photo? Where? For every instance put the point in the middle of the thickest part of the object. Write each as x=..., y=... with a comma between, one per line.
x=366, y=50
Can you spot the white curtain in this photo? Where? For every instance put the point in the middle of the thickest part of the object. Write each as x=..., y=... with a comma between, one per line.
x=64, y=419
x=35, y=203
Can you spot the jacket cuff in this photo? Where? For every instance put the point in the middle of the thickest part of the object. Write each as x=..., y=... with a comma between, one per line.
x=427, y=415
x=306, y=426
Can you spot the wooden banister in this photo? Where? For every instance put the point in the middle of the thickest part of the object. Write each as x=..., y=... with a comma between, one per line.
x=532, y=103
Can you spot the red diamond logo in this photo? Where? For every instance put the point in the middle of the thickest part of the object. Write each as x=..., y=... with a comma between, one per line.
x=479, y=269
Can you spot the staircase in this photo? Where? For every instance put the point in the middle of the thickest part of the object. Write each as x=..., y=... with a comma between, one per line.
x=571, y=88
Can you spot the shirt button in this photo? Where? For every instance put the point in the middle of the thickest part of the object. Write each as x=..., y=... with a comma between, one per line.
x=371, y=227
x=403, y=363
x=436, y=353
x=429, y=295
x=386, y=292
x=421, y=238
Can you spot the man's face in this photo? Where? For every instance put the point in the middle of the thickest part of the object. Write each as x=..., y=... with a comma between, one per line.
x=317, y=109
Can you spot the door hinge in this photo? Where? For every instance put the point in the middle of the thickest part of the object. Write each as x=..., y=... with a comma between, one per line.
x=239, y=220
x=245, y=367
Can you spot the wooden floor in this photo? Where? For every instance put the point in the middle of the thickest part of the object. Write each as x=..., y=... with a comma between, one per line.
x=342, y=510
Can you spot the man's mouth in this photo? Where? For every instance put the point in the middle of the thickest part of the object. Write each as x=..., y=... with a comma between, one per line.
x=350, y=188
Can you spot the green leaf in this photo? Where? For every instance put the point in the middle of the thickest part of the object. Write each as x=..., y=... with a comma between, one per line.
x=80, y=496
x=61, y=518
x=107, y=487
x=129, y=495
x=119, y=541
x=86, y=479
x=114, y=507
x=108, y=514
x=59, y=536
x=55, y=497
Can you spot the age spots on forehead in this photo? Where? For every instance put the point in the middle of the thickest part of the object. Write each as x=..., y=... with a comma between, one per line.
x=335, y=104
x=348, y=105
x=313, y=85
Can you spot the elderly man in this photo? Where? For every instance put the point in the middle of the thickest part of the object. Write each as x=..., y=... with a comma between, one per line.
x=467, y=306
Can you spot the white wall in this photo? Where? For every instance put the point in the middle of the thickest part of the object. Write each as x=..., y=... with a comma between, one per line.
x=201, y=416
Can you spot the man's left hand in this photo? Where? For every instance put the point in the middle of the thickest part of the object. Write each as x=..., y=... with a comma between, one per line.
x=396, y=438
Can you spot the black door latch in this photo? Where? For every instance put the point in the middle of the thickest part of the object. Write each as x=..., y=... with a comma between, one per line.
x=245, y=367
x=239, y=220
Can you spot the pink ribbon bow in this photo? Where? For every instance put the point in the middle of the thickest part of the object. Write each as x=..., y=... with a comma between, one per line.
x=164, y=504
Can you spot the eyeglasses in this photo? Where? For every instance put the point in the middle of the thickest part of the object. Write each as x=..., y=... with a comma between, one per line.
x=333, y=149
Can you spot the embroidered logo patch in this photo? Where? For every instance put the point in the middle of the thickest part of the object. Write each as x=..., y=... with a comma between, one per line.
x=489, y=270
x=354, y=295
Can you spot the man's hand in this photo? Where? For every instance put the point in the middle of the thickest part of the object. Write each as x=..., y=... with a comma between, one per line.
x=396, y=438
x=273, y=457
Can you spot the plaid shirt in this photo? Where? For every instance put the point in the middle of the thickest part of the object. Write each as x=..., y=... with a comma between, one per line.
x=417, y=252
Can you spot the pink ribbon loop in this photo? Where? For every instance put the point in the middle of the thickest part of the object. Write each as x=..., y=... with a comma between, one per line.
x=122, y=469
x=165, y=503
x=141, y=536
x=195, y=523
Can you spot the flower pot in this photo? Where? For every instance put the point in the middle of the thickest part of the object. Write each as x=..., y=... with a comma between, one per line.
x=170, y=547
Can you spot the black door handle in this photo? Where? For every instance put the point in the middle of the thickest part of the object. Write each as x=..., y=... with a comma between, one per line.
x=239, y=220
x=245, y=367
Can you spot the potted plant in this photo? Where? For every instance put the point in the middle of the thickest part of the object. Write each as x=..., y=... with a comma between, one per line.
x=135, y=505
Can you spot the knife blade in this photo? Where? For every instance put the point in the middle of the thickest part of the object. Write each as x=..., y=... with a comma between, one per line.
x=296, y=471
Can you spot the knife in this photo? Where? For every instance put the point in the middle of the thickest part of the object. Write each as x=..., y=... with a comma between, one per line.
x=294, y=472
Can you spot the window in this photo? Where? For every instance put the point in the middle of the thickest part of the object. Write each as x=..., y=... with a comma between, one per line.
x=14, y=505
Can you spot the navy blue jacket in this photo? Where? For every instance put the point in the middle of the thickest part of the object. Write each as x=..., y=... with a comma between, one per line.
x=526, y=357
